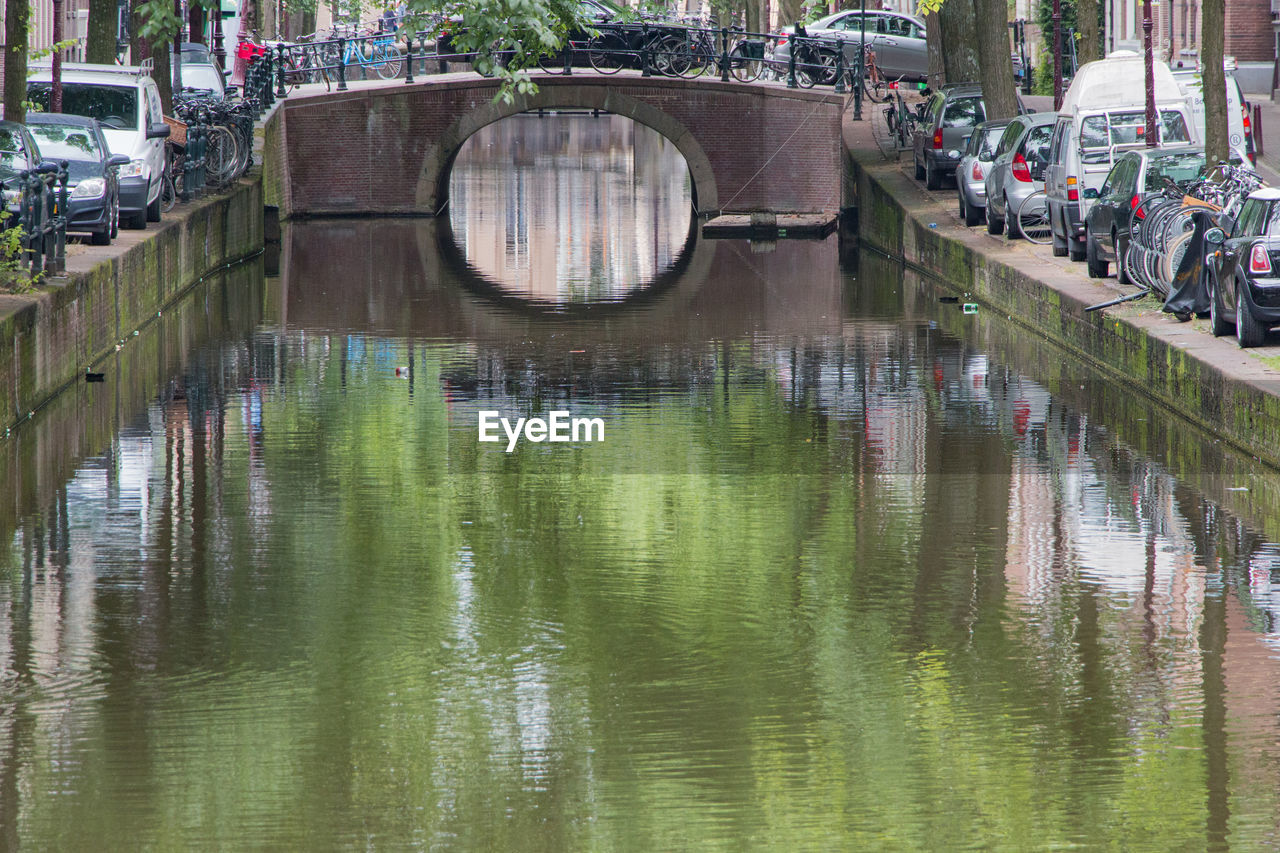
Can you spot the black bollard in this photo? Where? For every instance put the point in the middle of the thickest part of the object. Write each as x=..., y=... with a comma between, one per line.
x=408, y=74
x=342, y=64
x=791, y=65
x=724, y=54
x=857, y=87
x=281, y=91
x=841, y=88
x=646, y=69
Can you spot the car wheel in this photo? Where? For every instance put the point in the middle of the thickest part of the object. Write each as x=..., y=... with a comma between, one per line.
x=995, y=224
x=1074, y=250
x=115, y=217
x=1012, y=229
x=153, y=210
x=919, y=169
x=972, y=215
x=1059, y=243
x=137, y=221
x=1097, y=268
x=1249, y=332
x=101, y=238
x=932, y=178
x=1217, y=323
x=1122, y=272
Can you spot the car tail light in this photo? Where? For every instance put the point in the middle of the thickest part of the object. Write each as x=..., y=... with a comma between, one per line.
x=782, y=39
x=977, y=170
x=1259, y=260
x=1248, y=126
x=1021, y=171
x=1133, y=205
x=937, y=139
x=1073, y=193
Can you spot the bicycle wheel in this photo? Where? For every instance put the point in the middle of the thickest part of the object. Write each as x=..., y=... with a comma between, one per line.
x=608, y=53
x=168, y=191
x=742, y=67
x=387, y=62
x=671, y=55
x=220, y=154
x=820, y=69
x=1033, y=219
x=874, y=84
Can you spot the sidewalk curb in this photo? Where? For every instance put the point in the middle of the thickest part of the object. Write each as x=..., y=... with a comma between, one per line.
x=1209, y=382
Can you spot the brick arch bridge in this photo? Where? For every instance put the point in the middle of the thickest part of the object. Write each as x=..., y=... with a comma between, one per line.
x=388, y=150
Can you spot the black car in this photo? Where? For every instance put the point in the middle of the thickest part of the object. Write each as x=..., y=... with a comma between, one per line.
x=1243, y=270
x=1133, y=176
x=93, y=186
x=20, y=152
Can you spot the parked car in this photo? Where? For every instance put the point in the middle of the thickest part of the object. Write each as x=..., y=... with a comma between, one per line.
x=93, y=203
x=898, y=40
x=1134, y=175
x=950, y=115
x=20, y=152
x=127, y=103
x=1103, y=114
x=1243, y=270
x=203, y=78
x=1017, y=170
x=971, y=173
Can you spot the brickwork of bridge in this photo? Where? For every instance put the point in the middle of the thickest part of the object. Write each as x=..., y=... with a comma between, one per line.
x=389, y=149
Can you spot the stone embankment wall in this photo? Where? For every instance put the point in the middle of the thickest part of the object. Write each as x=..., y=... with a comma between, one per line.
x=49, y=337
x=1207, y=382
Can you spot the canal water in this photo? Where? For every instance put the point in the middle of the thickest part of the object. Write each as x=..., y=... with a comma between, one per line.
x=849, y=568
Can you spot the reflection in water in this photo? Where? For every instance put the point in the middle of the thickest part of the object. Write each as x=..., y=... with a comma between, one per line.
x=570, y=208
x=844, y=574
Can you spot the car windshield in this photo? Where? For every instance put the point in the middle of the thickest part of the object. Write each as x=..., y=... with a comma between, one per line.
x=983, y=145
x=1126, y=128
x=1182, y=169
x=114, y=106
x=66, y=142
x=203, y=77
x=963, y=112
x=12, y=158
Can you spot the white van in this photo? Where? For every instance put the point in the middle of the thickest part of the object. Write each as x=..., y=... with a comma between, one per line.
x=1103, y=114
x=125, y=100
x=1192, y=85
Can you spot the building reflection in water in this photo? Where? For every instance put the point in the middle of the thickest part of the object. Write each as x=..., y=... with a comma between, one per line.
x=570, y=208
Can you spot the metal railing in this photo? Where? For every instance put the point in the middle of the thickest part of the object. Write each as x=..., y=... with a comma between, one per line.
x=654, y=47
x=41, y=214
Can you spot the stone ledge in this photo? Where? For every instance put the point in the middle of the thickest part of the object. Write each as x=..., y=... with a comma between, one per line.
x=1209, y=382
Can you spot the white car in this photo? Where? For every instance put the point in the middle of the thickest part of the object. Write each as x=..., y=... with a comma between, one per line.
x=125, y=100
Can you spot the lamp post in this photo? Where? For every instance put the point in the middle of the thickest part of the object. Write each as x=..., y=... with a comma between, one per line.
x=1057, y=54
x=1148, y=61
x=55, y=94
x=241, y=62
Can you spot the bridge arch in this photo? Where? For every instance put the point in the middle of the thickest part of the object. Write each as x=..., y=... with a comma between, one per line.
x=437, y=162
x=387, y=149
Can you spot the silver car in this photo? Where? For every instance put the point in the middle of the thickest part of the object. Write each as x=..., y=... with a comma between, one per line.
x=1018, y=169
x=898, y=41
x=971, y=173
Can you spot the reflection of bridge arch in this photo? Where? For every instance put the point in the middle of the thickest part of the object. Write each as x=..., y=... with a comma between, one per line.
x=388, y=150
x=466, y=276
x=388, y=277
x=433, y=179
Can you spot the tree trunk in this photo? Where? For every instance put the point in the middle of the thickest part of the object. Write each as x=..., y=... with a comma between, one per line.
x=16, y=16
x=790, y=11
x=959, y=36
x=1089, y=45
x=196, y=18
x=995, y=58
x=100, y=39
x=139, y=48
x=163, y=75
x=933, y=38
x=1212, y=34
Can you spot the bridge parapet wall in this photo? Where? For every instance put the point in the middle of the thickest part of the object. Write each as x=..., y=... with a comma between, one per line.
x=750, y=147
